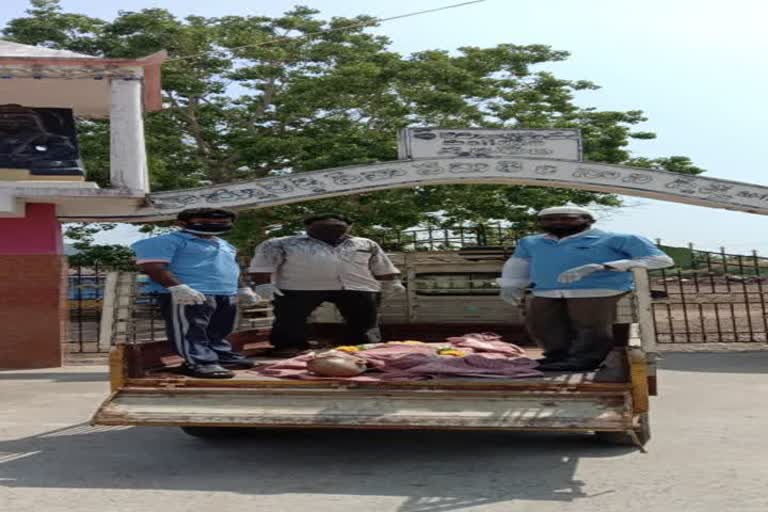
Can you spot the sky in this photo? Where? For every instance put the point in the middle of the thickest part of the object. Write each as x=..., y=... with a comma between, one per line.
x=696, y=68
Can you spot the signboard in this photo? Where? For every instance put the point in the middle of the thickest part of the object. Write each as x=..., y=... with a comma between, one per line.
x=552, y=144
x=42, y=140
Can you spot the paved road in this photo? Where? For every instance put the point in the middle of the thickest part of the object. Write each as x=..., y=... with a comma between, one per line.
x=708, y=454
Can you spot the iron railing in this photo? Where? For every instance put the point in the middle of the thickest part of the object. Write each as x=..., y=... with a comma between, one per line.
x=85, y=290
x=712, y=297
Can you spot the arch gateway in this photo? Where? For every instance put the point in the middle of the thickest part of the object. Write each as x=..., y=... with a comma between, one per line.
x=543, y=158
x=541, y=172
x=42, y=89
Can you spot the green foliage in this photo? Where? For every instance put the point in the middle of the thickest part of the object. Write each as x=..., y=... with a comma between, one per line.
x=112, y=257
x=678, y=164
x=108, y=257
x=82, y=233
x=249, y=96
x=46, y=25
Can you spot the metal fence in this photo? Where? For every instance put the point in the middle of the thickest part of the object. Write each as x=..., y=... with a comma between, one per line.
x=85, y=294
x=441, y=239
x=709, y=297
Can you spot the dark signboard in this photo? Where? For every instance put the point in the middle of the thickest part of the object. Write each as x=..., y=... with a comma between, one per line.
x=42, y=140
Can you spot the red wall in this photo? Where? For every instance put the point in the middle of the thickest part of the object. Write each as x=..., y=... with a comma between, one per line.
x=33, y=305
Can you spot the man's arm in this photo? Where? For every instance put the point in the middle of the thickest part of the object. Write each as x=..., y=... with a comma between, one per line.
x=159, y=273
x=642, y=253
x=516, y=270
x=649, y=262
x=381, y=266
x=267, y=258
x=153, y=256
x=383, y=270
x=515, y=273
x=515, y=278
x=181, y=293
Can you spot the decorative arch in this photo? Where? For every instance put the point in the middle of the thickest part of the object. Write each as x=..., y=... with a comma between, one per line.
x=596, y=177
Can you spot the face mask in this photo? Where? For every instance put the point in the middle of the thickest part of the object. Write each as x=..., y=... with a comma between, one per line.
x=218, y=228
x=328, y=233
x=562, y=231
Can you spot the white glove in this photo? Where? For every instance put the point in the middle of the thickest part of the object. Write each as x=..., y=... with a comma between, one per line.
x=266, y=292
x=393, y=285
x=512, y=295
x=247, y=297
x=184, y=295
x=578, y=273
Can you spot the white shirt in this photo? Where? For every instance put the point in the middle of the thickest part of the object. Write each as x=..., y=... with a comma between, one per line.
x=515, y=273
x=305, y=263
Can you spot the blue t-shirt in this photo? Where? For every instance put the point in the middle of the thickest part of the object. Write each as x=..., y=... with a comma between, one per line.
x=548, y=258
x=206, y=264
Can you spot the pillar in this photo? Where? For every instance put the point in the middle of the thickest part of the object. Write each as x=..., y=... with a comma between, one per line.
x=128, y=156
x=33, y=307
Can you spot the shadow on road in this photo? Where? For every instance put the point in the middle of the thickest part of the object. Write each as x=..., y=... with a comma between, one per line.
x=437, y=472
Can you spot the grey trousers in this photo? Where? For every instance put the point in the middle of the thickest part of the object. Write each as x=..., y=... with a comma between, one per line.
x=198, y=332
x=574, y=328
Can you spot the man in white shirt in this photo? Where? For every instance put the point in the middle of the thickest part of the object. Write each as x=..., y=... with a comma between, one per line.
x=325, y=265
x=576, y=276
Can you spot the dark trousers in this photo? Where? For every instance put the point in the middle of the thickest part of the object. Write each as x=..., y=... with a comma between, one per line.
x=360, y=311
x=575, y=328
x=198, y=332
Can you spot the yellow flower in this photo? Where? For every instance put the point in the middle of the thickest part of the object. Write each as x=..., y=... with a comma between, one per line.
x=451, y=352
x=348, y=348
x=406, y=342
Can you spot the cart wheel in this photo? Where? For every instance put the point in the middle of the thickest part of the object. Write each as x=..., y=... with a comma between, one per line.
x=642, y=432
x=212, y=432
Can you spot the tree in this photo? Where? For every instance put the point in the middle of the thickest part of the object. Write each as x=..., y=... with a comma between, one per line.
x=46, y=25
x=250, y=96
x=110, y=257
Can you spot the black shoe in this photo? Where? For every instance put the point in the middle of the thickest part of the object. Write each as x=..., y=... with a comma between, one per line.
x=570, y=365
x=208, y=371
x=555, y=357
x=237, y=364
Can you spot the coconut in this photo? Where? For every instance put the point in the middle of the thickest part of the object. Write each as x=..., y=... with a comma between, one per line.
x=336, y=364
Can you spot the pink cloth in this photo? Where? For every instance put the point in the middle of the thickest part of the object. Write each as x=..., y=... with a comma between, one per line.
x=486, y=342
x=486, y=356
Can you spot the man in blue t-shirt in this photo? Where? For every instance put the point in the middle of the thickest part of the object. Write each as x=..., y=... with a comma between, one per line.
x=196, y=276
x=576, y=275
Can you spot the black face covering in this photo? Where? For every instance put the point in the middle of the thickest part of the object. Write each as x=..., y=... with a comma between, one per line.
x=331, y=234
x=561, y=231
x=216, y=228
